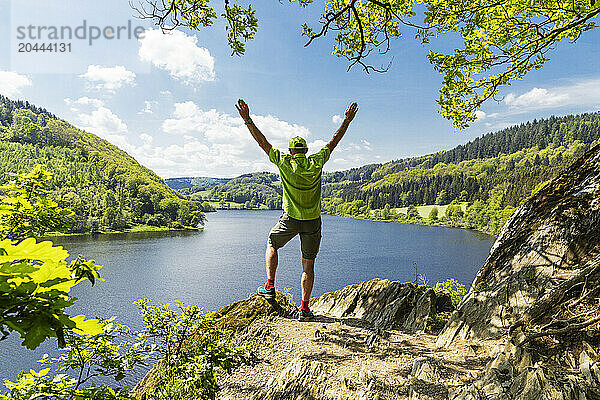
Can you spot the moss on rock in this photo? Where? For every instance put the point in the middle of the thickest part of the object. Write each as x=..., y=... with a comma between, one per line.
x=239, y=315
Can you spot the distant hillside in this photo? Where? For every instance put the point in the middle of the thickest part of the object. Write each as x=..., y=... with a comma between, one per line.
x=255, y=190
x=259, y=190
x=105, y=186
x=190, y=185
x=494, y=173
x=557, y=131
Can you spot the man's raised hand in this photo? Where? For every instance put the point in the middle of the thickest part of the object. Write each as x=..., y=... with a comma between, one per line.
x=351, y=112
x=349, y=116
x=243, y=109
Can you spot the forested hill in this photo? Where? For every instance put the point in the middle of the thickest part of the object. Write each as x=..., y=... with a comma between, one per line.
x=105, y=187
x=258, y=190
x=494, y=174
x=190, y=185
x=255, y=190
x=557, y=130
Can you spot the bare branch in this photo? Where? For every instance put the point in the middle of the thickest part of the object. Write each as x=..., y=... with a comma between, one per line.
x=329, y=18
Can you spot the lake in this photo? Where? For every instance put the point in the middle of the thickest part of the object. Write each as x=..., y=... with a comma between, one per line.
x=225, y=262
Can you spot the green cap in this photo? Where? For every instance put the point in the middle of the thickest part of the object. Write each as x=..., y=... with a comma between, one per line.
x=298, y=143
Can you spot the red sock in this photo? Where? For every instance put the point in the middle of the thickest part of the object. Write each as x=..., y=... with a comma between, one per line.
x=304, y=306
x=270, y=284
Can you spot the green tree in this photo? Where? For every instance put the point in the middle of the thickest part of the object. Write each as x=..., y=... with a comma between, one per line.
x=433, y=214
x=192, y=348
x=475, y=215
x=25, y=209
x=188, y=214
x=385, y=213
x=501, y=41
x=412, y=213
x=170, y=208
x=36, y=278
x=442, y=198
x=35, y=284
x=84, y=168
x=454, y=212
x=195, y=350
x=453, y=288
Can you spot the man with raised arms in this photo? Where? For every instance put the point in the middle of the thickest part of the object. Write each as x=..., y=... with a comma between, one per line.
x=301, y=181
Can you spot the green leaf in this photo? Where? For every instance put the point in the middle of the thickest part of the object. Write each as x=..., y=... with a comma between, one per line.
x=36, y=333
x=90, y=327
x=29, y=249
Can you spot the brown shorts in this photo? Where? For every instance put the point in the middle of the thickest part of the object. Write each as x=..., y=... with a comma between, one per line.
x=288, y=227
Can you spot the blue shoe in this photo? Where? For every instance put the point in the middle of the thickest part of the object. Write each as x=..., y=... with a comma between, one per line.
x=304, y=315
x=268, y=294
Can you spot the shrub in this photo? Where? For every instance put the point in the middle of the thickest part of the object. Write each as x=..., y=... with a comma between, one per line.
x=435, y=323
x=25, y=209
x=453, y=288
x=433, y=214
x=194, y=351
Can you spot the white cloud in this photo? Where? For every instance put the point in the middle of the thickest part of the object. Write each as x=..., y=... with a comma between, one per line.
x=148, y=107
x=347, y=154
x=224, y=128
x=11, y=83
x=178, y=54
x=109, y=78
x=582, y=93
x=211, y=143
x=337, y=119
x=537, y=98
x=316, y=145
x=480, y=115
x=146, y=138
x=214, y=143
x=83, y=101
x=102, y=122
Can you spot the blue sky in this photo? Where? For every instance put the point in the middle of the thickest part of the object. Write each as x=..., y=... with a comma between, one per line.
x=168, y=100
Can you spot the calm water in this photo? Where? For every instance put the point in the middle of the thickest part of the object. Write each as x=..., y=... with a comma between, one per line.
x=225, y=262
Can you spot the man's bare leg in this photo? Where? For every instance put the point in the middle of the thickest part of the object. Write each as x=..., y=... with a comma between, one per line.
x=268, y=290
x=308, y=278
x=271, y=260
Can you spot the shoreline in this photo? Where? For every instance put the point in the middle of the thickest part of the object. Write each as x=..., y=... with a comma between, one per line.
x=424, y=223
x=135, y=229
x=415, y=223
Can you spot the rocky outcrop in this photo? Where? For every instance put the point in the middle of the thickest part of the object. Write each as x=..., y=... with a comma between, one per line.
x=550, y=243
x=330, y=360
x=384, y=304
x=532, y=311
x=515, y=373
x=537, y=295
